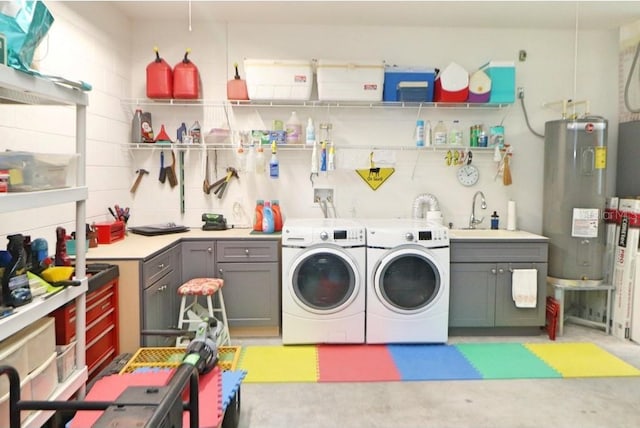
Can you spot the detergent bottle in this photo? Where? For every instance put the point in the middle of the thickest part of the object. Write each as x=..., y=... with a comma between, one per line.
x=277, y=215
x=186, y=79
x=268, y=224
x=159, y=78
x=257, y=223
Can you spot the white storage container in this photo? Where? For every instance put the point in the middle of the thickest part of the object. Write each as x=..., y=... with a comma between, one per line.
x=13, y=353
x=40, y=341
x=25, y=394
x=30, y=172
x=65, y=360
x=44, y=379
x=350, y=81
x=270, y=79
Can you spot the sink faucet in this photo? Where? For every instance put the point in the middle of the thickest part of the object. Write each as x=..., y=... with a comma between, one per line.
x=473, y=221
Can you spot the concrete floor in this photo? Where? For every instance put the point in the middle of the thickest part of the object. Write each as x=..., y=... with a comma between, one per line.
x=553, y=403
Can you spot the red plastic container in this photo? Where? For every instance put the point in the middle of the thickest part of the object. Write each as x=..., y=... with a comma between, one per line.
x=159, y=78
x=186, y=79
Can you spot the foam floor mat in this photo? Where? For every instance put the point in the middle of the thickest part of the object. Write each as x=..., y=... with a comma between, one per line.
x=581, y=360
x=279, y=363
x=356, y=363
x=432, y=362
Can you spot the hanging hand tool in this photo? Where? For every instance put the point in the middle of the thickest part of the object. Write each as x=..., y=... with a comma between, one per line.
x=231, y=172
x=171, y=171
x=206, y=186
x=163, y=172
x=141, y=172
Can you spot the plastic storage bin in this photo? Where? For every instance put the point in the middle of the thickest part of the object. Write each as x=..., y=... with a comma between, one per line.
x=71, y=246
x=419, y=89
x=44, y=379
x=38, y=171
x=65, y=360
x=13, y=353
x=25, y=394
x=110, y=232
x=350, y=81
x=270, y=79
x=503, y=81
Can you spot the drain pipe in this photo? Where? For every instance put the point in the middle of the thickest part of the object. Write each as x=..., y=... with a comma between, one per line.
x=425, y=199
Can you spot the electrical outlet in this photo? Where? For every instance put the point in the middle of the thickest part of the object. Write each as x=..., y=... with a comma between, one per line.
x=322, y=195
x=520, y=93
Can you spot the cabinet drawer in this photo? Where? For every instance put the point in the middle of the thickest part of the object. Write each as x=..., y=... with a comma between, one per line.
x=499, y=251
x=103, y=344
x=247, y=250
x=156, y=268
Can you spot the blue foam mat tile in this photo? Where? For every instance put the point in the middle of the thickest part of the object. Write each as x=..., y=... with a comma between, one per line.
x=230, y=385
x=432, y=362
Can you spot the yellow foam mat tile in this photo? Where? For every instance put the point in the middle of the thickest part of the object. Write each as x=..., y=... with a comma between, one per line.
x=280, y=363
x=581, y=360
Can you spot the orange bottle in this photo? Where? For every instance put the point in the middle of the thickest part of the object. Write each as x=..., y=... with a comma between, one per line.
x=277, y=216
x=257, y=224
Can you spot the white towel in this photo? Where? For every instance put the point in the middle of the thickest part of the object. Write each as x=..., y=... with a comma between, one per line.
x=524, y=287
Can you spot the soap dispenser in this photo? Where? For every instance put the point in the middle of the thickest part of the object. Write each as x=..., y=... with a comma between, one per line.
x=495, y=219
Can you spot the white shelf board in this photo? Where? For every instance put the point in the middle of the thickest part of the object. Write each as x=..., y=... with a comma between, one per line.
x=25, y=200
x=63, y=392
x=38, y=308
x=299, y=147
x=23, y=88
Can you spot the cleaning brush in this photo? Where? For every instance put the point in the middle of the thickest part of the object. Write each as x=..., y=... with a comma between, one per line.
x=506, y=174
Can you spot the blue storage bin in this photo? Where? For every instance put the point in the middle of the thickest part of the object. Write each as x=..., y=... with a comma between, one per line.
x=503, y=81
x=394, y=76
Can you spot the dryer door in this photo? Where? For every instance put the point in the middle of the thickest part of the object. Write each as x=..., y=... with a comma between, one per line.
x=324, y=279
x=408, y=280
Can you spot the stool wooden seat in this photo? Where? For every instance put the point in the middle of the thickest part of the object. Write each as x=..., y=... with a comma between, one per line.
x=205, y=287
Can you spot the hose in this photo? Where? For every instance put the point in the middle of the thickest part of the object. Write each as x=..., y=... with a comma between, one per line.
x=526, y=117
x=420, y=201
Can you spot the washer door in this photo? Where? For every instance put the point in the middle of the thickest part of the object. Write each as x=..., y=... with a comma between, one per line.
x=324, y=279
x=407, y=280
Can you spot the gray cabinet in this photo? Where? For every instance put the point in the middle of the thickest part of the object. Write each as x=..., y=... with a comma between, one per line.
x=481, y=283
x=251, y=272
x=161, y=277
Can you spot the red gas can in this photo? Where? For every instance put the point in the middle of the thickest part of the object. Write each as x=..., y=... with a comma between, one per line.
x=186, y=79
x=159, y=78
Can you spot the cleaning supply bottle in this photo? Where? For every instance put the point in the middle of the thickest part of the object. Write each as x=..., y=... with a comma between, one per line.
x=186, y=79
x=274, y=165
x=15, y=283
x=440, y=133
x=268, y=225
x=259, y=159
x=331, y=159
x=314, y=158
x=495, y=219
x=277, y=216
x=181, y=132
x=323, y=156
x=136, y=127
x=455, y=137
x=195, y=133
x=294, y=129
x=237, y=88
x=311, y=133
x=159, y=78
x=420, y=133
x=257, y=222
x=427, y=133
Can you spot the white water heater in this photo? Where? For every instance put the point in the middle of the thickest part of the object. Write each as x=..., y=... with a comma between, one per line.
x=575, y=161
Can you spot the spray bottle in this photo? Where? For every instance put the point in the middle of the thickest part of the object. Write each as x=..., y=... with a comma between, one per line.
x=323, y=156
x=274, y=165
x=314, y=158
x=331, y=165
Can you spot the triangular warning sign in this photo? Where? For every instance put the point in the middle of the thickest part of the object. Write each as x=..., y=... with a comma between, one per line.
x=374, y=177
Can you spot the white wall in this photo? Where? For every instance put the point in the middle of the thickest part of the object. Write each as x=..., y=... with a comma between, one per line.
x=94, y=42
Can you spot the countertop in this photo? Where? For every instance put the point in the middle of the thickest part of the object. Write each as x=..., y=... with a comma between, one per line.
x=135, y=246
x=493, y=235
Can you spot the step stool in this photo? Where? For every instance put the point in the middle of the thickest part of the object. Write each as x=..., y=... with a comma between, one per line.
x=191, y=314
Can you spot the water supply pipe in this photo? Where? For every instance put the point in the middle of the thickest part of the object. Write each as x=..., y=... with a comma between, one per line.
x=425, y=199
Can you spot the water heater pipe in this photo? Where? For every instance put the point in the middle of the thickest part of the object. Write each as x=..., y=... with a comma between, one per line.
x=419, y=203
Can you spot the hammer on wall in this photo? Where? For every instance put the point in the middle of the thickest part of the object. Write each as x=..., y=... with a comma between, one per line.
x=141, y=172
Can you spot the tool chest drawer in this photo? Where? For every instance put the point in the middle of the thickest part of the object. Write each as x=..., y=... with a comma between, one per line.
x=157, y=267
x=247, y=250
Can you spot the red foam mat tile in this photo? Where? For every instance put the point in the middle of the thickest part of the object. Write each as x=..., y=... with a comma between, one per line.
x=356, y=363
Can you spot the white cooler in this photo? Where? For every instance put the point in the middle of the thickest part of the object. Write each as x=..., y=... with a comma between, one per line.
x=270, y=79
x=350, y=81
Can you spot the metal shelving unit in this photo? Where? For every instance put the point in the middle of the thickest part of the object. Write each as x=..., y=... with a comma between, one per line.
x=21, y=88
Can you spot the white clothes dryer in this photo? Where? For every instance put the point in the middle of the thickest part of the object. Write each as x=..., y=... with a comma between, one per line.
x=323, y=281
x=407, y=281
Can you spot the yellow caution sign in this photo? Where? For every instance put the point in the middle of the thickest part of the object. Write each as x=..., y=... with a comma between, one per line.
x=374, y=177
x=601, y=158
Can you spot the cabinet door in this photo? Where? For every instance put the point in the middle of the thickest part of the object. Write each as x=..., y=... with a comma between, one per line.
x=198, y=260
x=251, y=293
x=472, y=295
x=157, y=312
x=507, y=313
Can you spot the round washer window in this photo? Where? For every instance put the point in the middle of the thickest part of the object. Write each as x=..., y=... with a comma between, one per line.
x=323, y=281
x=409, y=282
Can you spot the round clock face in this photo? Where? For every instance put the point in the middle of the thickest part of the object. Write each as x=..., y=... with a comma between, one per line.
x=468, y=175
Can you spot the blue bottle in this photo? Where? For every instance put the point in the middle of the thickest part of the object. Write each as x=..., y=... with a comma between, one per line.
x=268, y=224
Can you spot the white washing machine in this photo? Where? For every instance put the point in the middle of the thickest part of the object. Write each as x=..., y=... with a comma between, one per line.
x=323, y=281
x=407, y=281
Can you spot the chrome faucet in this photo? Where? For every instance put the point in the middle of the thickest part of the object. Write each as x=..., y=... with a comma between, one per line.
x=473, y=221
